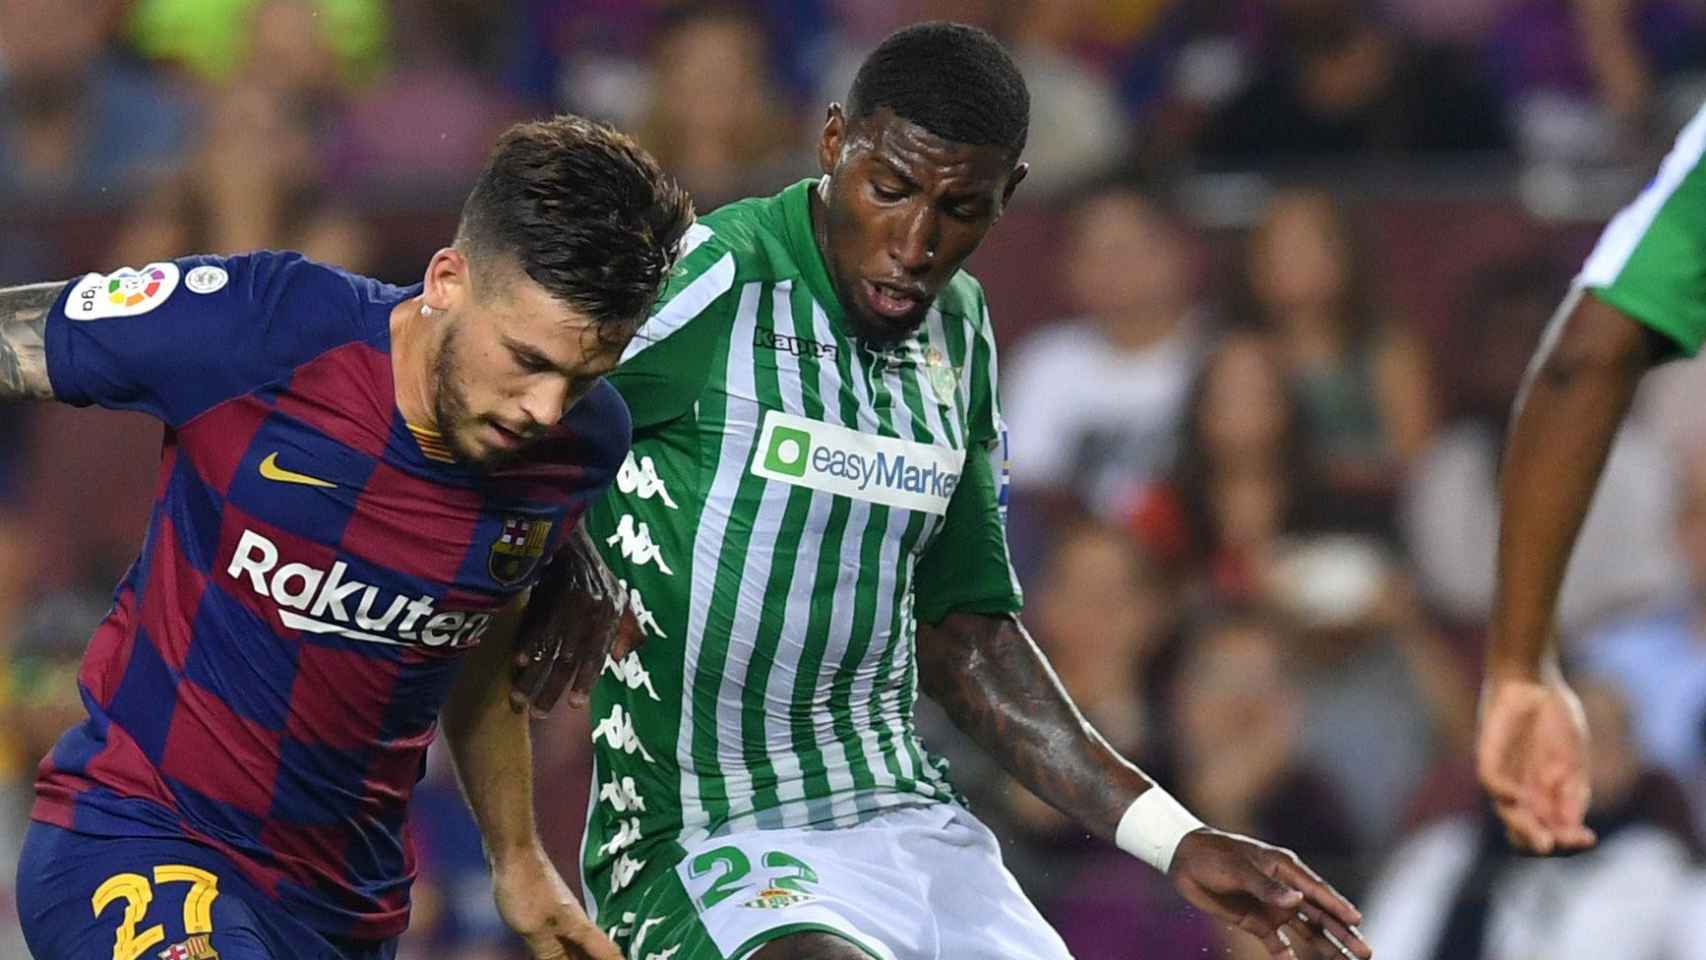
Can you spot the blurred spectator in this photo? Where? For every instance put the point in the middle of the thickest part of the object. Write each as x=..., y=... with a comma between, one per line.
x=217, y=40
x=259, y=178
x=1450, y=502
x=75, y=120
x=452, y=913
x=431, y=119
x=1586, y=79
x=1382, y=695
x=1658, y=658
x=255, y=183
x=1338, y=84
x=1094, y=403
x=1363, y=381
x=1078, y=127
x=38, y=701
x=718, y=121
x=1102, y=614
x=1237, y=731
x=1455, y=891
x=1242, y=478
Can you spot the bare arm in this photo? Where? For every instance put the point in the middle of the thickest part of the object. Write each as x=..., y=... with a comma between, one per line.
x=23, y=320
x=995, y=684
x=989, y=676
x=491, y=746
x=1578, y=391
x=493, y=756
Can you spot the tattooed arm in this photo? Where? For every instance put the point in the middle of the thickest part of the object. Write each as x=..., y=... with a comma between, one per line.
x=23, y=320
x=995, y=684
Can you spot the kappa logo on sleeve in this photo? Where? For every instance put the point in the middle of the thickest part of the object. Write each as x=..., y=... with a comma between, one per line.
x=122, y=293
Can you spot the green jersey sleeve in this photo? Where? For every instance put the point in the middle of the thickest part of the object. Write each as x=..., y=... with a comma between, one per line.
x=663, y=370
x=1650, y=262
x=968, y=567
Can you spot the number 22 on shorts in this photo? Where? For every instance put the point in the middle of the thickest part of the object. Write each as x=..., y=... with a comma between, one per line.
x=135, y=891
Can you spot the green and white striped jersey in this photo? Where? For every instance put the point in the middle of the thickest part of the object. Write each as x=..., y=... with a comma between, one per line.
x=796, y=501
x=1650, y=262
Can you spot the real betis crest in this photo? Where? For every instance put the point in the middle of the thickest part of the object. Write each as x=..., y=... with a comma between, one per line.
x=941, y=374
x=776, y=898
x=520, y=544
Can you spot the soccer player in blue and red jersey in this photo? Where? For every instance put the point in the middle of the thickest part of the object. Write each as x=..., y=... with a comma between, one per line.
x=358, y=484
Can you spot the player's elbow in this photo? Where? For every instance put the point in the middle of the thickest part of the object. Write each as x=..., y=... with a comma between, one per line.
x=1597, y=343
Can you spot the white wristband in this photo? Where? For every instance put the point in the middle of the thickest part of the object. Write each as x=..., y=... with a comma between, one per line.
x=1153, y=826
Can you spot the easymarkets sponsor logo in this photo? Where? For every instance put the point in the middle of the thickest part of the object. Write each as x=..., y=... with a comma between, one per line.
x=834, y=459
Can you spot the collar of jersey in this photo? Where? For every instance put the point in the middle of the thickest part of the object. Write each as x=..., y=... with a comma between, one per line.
x=797, y=227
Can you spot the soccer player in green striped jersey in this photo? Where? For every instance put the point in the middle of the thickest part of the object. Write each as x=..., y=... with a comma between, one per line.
x=810, y=530
x=1640, y=299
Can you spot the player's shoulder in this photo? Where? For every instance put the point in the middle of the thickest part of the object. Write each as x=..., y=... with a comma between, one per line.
x=756, y=233
x=594, y=435
x=962, y=299
x=289, y=295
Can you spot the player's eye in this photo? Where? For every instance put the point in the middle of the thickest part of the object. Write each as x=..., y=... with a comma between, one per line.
x=532, y=363
x=887, y=193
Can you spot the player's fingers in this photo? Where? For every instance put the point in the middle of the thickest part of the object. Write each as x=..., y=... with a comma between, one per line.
x=589, y=942
x=1267, y=931
x=1342, y=940
x=1523, y=824
x=1316, y=891
x=628, y=635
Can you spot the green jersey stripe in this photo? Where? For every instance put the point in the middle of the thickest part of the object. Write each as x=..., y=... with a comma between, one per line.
x=700, y=772
x=717, y=688
x=1627, y=231
x=690, y=302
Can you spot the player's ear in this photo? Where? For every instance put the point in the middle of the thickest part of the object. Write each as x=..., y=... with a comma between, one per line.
x=829, y=142
x=1013, y=181
x=447, y=281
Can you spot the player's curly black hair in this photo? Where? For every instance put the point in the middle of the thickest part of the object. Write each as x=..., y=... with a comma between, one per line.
x=587, y=213
x=954, y=80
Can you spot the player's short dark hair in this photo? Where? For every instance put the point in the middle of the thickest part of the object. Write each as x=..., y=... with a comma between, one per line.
x=587, y=213
x=954, y=80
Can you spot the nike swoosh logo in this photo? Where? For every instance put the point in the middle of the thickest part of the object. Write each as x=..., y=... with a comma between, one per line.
x=272, y=471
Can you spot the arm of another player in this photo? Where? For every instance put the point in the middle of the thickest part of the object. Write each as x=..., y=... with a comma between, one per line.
x=576, y=618
x=493, y=756
x=995, y=683
x=23, y=325
x=1531, y=751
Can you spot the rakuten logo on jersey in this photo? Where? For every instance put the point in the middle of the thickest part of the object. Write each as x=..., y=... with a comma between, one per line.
x=322, y=601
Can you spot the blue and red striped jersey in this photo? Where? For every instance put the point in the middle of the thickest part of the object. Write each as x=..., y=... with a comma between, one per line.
x=271, y=672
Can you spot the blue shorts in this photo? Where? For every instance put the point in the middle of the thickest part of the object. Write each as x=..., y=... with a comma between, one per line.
x=143, y=898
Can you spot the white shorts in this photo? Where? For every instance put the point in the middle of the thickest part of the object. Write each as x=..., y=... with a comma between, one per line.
x=921, y=883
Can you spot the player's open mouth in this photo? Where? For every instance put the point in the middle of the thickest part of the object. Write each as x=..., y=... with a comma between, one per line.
x=892, y=302
x=506, y=439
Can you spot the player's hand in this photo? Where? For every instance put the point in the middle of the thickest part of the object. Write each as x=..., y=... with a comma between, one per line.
x=536, y=903
x=1532, y=756
x=1268, y=893
x=576, y=616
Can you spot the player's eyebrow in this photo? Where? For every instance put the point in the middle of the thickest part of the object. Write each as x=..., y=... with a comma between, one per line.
x=895, y=171
x=530, y=353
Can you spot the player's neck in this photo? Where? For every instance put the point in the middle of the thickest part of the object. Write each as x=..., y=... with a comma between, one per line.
x=414, y=340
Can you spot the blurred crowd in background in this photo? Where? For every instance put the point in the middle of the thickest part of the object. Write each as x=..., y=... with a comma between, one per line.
x=1263, y=306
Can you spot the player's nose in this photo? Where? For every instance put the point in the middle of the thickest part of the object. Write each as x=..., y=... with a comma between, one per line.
x=542, y=405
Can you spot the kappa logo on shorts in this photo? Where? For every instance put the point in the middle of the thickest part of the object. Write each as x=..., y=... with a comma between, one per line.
x=776, y=898
x=122, y=293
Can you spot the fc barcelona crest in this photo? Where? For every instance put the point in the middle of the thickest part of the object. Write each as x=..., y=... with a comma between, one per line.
x=518, y=548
